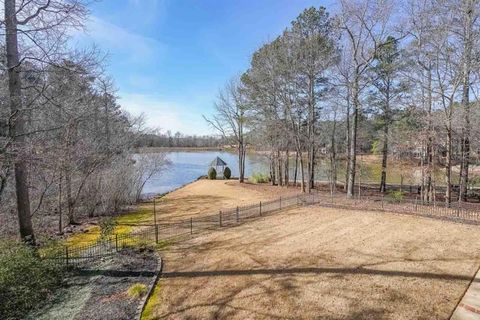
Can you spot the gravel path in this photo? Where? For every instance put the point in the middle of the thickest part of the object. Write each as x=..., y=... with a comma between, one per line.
x=100, y=293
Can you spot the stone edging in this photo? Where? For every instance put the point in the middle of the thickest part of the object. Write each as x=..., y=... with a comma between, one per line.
x=456, y=312
x=153, y=283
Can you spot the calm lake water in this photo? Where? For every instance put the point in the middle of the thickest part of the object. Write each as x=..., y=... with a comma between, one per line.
x=188, y=166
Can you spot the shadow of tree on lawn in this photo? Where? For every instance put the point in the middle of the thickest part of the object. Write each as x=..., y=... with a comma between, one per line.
x=316, y=270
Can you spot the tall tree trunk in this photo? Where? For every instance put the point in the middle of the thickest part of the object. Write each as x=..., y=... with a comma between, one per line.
x=347, y=166
x=16, y=128
x=428, y=194
x=434, y=180
x=333, y=157
x=244, y=155
x=299, y=156
x=465, y=146
x=273, y=175
x=383, y=182
x=286, y=167
x=387, y=118
x=311, y=177
x=279, y=166
x=422, y=165
x=67, y=173
x=295, y=172
x=70, y=199
x=302, y=173
x=311, y=135
x=107, y=122
x=59, y=205
x=448, y=164
x=241, y=161
x=353, y=141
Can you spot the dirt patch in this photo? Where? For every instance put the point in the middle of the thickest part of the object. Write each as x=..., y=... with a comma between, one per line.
x=323, y=263
x=100, y=293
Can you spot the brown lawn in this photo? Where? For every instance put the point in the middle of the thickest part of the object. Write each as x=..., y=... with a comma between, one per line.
x=313, y=262
x=205, y=197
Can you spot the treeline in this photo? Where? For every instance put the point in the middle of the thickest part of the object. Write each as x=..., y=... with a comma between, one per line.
x=65, y=143
x=179, y=140
x=399, y=78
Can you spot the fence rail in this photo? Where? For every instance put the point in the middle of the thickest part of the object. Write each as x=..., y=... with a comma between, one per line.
x=460, y=212
x=164, y=232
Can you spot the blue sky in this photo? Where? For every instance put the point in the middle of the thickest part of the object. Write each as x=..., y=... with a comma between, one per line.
x=169, y=57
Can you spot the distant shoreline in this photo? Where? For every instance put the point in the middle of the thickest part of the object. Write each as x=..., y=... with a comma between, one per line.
x=149, y=196
x=184, y=149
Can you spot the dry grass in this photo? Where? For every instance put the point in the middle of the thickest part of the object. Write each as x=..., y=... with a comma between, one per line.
x=205, y=197
x=314, y=262
x=200, y=198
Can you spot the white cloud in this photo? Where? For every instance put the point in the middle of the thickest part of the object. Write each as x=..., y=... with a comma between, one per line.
x=136, y=66
x=165, y=115
x=119, y=41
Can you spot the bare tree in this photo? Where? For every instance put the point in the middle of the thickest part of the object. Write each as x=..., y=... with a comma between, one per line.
x=386, y=94
x=148, y=165
x=365, y=26
x=469, y=19
x=41, y=26
x=230, y=119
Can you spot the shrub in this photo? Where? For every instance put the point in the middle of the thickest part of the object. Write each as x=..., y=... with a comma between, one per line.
x=375, y=147
x=227, y=173
x=137, y=290
x=26, y=280
x=212, y=174
x=396, y=196
x=259, y=178
x=107, y=226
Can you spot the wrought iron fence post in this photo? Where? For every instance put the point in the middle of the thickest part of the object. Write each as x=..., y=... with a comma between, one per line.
x=191, y=225
x=260, y=208
x=237, y=215
x=220, y=217
x=156, y=233
x=116, y=242
x=154, y=211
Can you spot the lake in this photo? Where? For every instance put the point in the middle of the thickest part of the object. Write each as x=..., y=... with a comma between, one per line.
x=188, y=166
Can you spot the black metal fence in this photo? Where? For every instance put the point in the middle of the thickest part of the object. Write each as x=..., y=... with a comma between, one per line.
x=79, y=255
x=162, y=233
x=457, y=211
